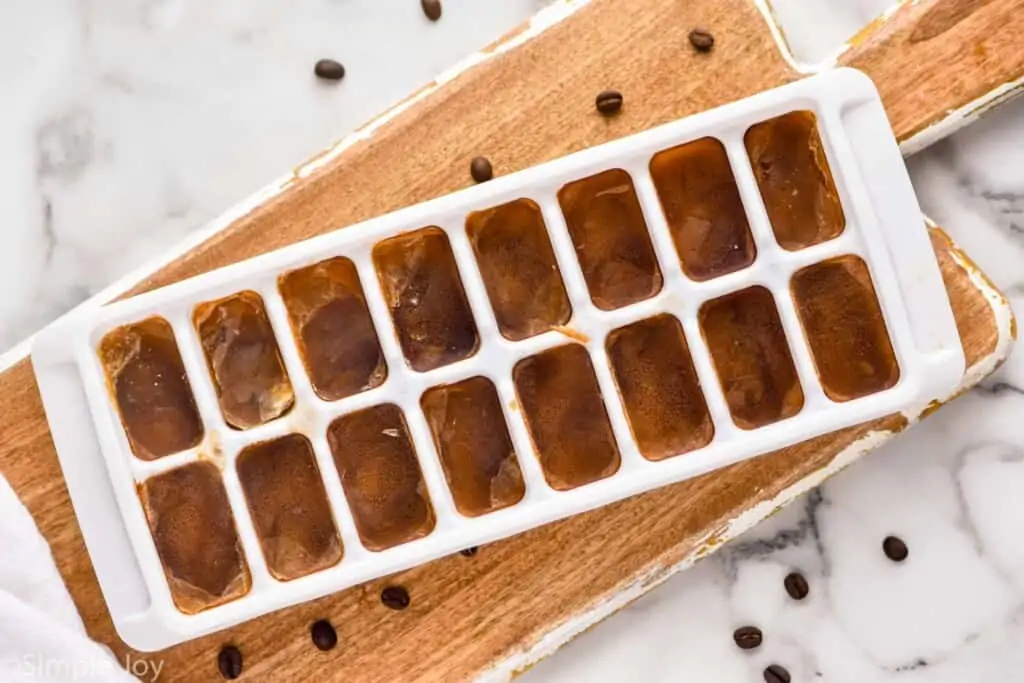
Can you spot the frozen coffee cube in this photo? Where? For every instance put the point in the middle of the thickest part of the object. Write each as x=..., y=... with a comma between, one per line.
x=610, y=235
x=242, y=355
x=194, y=531
x=518, y=268
x=381, y=476
x=289, y=506
x=476, y=451
x=752, y=357
x=332, y=326
x=148, y=383
x=703, y=208
x=789, y=163
x=659, y=387
x=422, y=287
x=565, y=412
x=845, y=330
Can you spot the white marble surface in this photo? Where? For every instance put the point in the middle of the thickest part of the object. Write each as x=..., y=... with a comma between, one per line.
x=128, y=123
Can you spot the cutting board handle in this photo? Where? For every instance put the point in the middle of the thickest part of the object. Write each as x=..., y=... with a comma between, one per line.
x=941, y=63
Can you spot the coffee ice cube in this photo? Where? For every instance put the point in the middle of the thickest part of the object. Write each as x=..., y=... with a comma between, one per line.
x=565, y=413
x=610, y=236
x=381, y=476
x=752, y=358
x=659, y=387
x=422, y=287
x=518, y=267
x=703, y=208
x=243, y=358
x=333, y=329
x=789, y=163
x=194, y=532
x=845, y=329
x=147, y=381
x=289, y=506
x=474, y=446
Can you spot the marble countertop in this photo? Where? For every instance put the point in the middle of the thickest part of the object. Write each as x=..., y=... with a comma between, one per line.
x=127, y=124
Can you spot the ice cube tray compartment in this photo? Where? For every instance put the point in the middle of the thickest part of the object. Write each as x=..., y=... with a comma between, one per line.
x=543, y=344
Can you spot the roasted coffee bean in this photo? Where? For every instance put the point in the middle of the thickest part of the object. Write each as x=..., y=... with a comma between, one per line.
x=323, y=634
x=747, y=637
x=480, y=169
x=796, y=585
x=895, y=549
x=229, y=661
x=776, y=674
x=432, y=8
x=469, y=552
x=330, y=70
x=702, y=40
x=609, y=102
x=395, y=597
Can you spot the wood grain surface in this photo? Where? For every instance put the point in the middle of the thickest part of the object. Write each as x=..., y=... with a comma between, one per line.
x=519, y=108
x=933, y=57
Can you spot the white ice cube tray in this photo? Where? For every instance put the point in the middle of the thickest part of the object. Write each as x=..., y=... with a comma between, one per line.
x=883, y=226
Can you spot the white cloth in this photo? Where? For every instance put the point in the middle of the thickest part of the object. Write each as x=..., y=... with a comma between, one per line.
x=42, y=638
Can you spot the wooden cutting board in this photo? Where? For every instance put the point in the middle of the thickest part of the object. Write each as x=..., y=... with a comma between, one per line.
x=528, y=99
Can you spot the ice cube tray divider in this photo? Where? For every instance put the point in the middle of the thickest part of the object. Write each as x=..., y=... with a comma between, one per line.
x=500, y=373
x=149, y=621
x=676, y=293
x=764, y=238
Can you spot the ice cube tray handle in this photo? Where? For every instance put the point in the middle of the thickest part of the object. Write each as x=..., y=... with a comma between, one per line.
x=882, y=174
x=123, y=587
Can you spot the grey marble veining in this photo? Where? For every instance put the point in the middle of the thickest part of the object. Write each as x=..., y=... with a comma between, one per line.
x=129, y=123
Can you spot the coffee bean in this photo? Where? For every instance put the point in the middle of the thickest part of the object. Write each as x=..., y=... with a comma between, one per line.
x=796, y=585
x=330, y=70
x=895, y=549
x=776, y=674
x=480, y=169
x=432, y=8
x=469, y=552
x=609, y=102
x=323, y=634
x=702, y=40
x=229, y=661
x=747, y=637
x=395, y=597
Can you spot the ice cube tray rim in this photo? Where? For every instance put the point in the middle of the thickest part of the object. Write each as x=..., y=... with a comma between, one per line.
x=843, y=89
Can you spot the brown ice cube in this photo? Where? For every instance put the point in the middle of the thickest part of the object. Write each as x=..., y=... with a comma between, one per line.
x=518, y=268
x=789, y=163
x=289, y=506
x=659, y=387
x=565, y=412
x=242, y=355
x=612, y=244
x=332, y=325
x=381, y=476
x=423, y=289
x=474, y=446
x=147, y=379
x=845, y=329
x=703, y=208
x=194, y=531
x=749, y=349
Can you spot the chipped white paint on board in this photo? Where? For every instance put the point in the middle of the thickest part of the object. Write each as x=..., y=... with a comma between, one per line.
x=779, y=36
x=958, y=118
